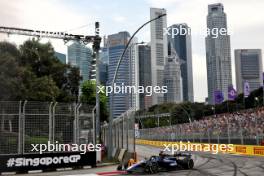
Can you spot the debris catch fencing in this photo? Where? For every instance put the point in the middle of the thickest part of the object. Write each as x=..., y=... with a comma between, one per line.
x=123, y=132
x=23, y=123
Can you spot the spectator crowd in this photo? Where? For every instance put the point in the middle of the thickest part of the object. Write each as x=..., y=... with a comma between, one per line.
x=247, y=124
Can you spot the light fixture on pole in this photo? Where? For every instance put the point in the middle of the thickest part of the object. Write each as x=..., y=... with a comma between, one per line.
x=110, y=142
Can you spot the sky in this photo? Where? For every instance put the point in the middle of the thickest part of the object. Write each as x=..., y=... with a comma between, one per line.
x=244, y=18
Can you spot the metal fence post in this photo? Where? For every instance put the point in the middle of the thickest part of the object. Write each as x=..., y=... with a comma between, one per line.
x=257, y=133
x=134, y=133
x=123, y=129
x=77, y=127
x=20, y=129
x=257, y=138
x=120, y=128
x=114, y=130
x=228, y=131
x=75, y=124
x=113, y=135
x=127, y=122
x=208, y=135
x=53, y=122
x=117, y=134
x=23, y=126
x=241, y=133
x=50, y=121
x=94, y=135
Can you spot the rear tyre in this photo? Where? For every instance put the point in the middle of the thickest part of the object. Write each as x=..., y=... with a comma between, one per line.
x=189, y=164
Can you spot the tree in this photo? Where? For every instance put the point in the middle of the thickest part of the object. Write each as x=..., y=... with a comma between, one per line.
x=33, y=72
x=74, y=79
x=41, y=60
x=89, y=97
x=10, y=72
x=41, y=89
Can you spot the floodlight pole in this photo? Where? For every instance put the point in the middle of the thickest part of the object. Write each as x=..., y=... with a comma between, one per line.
x=96, y=48
x=110, y=141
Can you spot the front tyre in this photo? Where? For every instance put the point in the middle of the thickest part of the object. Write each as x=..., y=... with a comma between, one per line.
x=155, y=167
x=151, y=167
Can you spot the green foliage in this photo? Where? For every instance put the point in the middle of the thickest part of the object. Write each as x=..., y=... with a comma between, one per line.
x=10, y=72
x=89, y=97
x=42, y=89
x=33, y=72
x=36, y=140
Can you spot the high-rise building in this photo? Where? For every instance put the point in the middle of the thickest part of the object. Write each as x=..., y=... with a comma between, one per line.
x=134, y=73
x=103, y=69
x=172, y=78
x=116, y=44
x=218, y=58
x=248, y=68
x=159, y=51
x=103, y=64
x=104, y=55
x=80, y=56
x=144, y=74
x=61, y=57
x=182, y=44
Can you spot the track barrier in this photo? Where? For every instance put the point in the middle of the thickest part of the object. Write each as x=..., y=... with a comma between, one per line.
x=250, y=150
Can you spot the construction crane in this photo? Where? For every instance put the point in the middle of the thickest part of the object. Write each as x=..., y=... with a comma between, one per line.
x=66, y=37
x=53, y=35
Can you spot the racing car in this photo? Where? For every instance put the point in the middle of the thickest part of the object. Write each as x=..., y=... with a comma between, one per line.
x=163, y=162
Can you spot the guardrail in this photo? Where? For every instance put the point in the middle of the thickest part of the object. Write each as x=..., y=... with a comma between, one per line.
x=251, y=150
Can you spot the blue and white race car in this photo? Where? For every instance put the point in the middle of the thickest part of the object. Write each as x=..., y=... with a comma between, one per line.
x=162, y=162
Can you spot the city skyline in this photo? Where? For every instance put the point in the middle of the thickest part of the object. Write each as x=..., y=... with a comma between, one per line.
x=177, y=13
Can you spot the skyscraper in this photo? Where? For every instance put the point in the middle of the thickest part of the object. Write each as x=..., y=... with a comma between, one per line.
x=103, y=64
x=159, y=51
x=61, y=57
x=218, y=58
x=104, y=52
x=248, y=68
x=172, y=78
x=80, y=56
x=103, y=69
x=116, y=44
x=144, y=74
x=134, y=73
x=182, y=44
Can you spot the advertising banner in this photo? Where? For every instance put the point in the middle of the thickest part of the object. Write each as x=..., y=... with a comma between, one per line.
x=50, y=161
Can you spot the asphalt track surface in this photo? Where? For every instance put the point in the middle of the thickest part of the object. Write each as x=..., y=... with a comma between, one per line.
x=205, y=164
